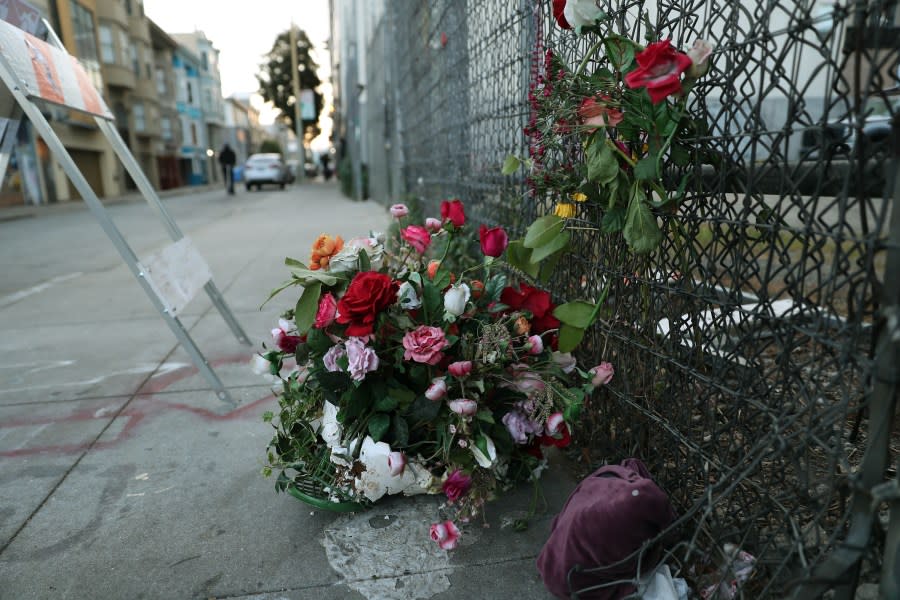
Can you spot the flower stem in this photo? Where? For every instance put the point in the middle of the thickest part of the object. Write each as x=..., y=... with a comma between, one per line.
x=589, y=55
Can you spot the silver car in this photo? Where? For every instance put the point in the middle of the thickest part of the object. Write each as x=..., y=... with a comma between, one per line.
x=265, y=168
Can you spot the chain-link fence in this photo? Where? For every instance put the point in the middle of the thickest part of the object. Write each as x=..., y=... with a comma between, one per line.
x=756, y=350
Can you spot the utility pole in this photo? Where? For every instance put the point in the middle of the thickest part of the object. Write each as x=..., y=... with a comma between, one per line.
x=298, y=121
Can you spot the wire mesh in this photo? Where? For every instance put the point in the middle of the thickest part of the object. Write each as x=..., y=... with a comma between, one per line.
x=743, y=344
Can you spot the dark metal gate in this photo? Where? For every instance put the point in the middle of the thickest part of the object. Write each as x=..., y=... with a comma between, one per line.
x=757, y=347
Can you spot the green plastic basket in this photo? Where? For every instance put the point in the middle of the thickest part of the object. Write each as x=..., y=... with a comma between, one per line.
x=311, y=493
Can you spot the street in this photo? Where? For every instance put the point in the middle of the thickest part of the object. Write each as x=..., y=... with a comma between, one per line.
x=121, y=473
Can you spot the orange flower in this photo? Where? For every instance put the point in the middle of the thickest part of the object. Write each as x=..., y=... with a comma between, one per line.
x=323, y=249
x=522, y=326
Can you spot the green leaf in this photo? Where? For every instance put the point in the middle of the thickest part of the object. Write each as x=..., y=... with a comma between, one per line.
x=423, y=410
x=399, y=431
x=278, y=290
x=548, y=267
x=441, y=278
x=602, y=164
x=519, y=257
x=294, y=263
x=379, y=425
x=268, y=416
x=619, y=50
x=307, y=306
x=646, y=168
x=613, y=220
x=386, y=403
x=334, y=381
x=543, y=230
x=641, y=231
x=318, y=341
x=305, y=275
x=569, y=337
x=560, y=242
x=578, y=313
x=486, y=416
x=356, y=402
x=680, y=155
x=510, y=165
x=365, y=264
x=432, y=300
x=494, y=286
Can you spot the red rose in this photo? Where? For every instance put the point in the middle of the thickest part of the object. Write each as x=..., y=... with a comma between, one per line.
x=453, y=211
x=536, y=301
x=659, y=70
x=558, y=7
x=493, y=240
x=369, y=294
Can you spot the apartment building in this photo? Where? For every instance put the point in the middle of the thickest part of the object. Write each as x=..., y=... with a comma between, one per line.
x=168, y=146
x=209, y=89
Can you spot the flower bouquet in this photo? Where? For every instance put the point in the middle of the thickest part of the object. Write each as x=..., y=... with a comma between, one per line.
x=399, y=376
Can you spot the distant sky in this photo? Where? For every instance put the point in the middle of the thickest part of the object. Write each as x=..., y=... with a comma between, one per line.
x=244, y=31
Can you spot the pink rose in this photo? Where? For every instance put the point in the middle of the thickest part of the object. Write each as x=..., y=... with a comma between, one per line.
x=424, y=344
x=460, y=368
x=602, y=374
x=418, y=237
x=399, y=211
x=535, y=344
x=520, y=426
x=433, y=225
x=361, y=359
x=445, y=534
x=437, y=389
x=457, y=485
x=463, y=406
x=659, y=70
x=331, y=358
x=597, y=113
x=396, y=463
x=327, y=311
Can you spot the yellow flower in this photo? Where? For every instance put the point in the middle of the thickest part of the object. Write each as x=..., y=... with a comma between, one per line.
x=578, y=197
x=564, y=210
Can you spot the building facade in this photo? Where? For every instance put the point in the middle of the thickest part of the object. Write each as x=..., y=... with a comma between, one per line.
x=209, y=89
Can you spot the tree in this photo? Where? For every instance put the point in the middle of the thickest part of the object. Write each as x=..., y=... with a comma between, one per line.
x=270, y=146
x=275, y=82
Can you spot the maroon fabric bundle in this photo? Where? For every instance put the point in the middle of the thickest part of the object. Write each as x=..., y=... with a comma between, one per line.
x=608, y=516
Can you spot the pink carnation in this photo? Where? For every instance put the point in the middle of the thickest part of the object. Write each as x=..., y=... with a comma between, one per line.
x=424, y=344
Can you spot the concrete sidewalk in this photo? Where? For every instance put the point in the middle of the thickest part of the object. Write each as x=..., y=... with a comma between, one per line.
x=123, y=476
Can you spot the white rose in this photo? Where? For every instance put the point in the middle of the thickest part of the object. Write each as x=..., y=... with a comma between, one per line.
x=408, y=297
x=581, y=13
x=455, y=299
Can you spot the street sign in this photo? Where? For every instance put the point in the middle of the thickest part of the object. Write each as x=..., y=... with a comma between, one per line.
x=34, y=70
x=49, y=73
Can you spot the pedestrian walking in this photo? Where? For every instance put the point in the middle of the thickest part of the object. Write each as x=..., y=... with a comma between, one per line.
x=227, y=160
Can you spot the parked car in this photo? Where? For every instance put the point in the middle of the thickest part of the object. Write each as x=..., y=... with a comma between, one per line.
x=837, y=138
x=265, y=168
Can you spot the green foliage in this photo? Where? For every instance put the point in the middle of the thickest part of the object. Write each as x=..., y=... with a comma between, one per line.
x=276, y=81
x=270, y=146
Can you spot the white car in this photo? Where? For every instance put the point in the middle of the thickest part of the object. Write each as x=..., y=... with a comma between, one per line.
x=265, y=168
